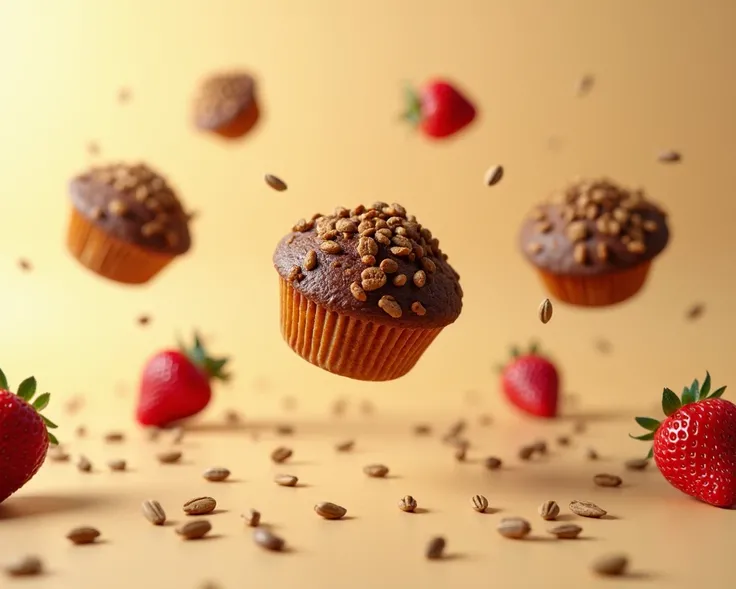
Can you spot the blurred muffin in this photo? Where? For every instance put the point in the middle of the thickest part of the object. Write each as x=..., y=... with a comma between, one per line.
x=596, y=246
x=226, y=104
x=365, y=291
x=126, y=223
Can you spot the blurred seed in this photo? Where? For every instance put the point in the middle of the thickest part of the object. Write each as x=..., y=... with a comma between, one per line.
x=194, y=530
x=281, y=454
x=695, y=312
x=586, y=509
x=526, y=452
x=611, y=565
x=545, y=311
x=286, y=480
x=178, y=435
x=117, y=464
x=153, y=512
x=216, y=474
x=113, y=437
x=169, y=457
x=493, y=175
x=585, y=85
x=422, y=429
x=591, y=454
x=58, y=454
x=485, y=420
x=252, y=518
x=636, y=464
x=83, y=535
x=607, y=480
x=25, y=567
x=514, y=527
x=549, y=510
x=436, y=548
x=83, y=464
x=378, y=471
x=284, y=430
x=580, y=427
x=669, y=157
x=268, y=540
x=540, y=447
x=479, y=503
x=275, y=182
x=408, y=504
x=345, y=446
x=462, y=451
x=566, y=531
x=199, y=506
x=563, y=440
x=329, y=510
x=492, y=463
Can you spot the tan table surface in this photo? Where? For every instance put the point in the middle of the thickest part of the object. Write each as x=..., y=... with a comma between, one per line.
x=672, y=541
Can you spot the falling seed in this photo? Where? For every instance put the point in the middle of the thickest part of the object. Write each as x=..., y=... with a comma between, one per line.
x=436, y=548
x=669, y=157
x=114, y=437
x=268, y=540
x=408, y=504
x=281, y=454
x=25, y=567
x=611, y=565
x=275, y=182
x=345, y=446
x=545, y=311
x=585, y=85
x=580, y=427
x=492, y=463
x=591, y=454
x=144, y=320
x=695, y=312
x=83, y=535
x=526, y=452
x=563, y=440
x=284, y=430
x=485, y=420
x=493, y=175
x=169, y=457
x=422, y=429
x=25, y=265
x=117, y=464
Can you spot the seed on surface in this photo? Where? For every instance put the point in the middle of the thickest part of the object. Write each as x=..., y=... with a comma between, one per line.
x=286, y=480
x=169, y=457
x=422, y=429
x=549, y=510
x=586, y=509
x=408, y=504
x=58, y=454
x=636, y=464
x=585, y=85
x=199, y=506
x=669, y=157
x=117, y=464
x=695, y=312
x=268, y=540
x=566, y=531
x=479, y=503
x=281, y=454
x=492, y=463
x=540, y=447
x=153, y=512
x=194, y=530
x=329, y=510
x=345, y=446
x=436, y=548
x=83, y=464
x=252, y=518
x=376, y=470
x=526, y=452
x=563, y=440
x=25, y=567
x=275, y=182
x=462, y=450
x=591, y=454
x=580, y=427
x=607, y=480
x=514, y=527
x=493, y=175
x=545, y=311
x=113, y=437
x=216, y=474
x=83, y=535
x=611, y=565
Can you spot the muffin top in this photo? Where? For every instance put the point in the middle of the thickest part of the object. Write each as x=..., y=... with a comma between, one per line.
x=222, y=98
x=378, y=264
x=594, y=228
x=135, y=204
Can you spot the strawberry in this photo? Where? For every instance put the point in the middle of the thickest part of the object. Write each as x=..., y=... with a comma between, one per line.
x=531, y=382
x=695, y=446
x=24, y=435
x=176, y=384
x=439, y=109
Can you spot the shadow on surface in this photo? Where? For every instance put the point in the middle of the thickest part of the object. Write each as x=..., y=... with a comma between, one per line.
x=35, y=505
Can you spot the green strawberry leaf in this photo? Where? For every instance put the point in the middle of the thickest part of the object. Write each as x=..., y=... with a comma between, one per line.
x=644, y=437
x=42, y=402
x=689, y=395
x=515, y=351
x=650, y=455
x=705, y=389
x=670, y=402
x=717, y=394
x=49, y=424
x=27, y=389
x=648, y=423
x=534, y=348
x=3, y=381
x=52, y=439
x=695, y=387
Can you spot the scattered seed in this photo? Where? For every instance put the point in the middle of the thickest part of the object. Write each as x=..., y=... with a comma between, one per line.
x=252, y=518
x=329, y=510
x=492, y=463
x=586, y=509
x=585, y=85
x=514, y=527
x=549, y=510
x=669, y=157
x=281, y=454
x=58, y=454
x=25, y=567
x=611, y=565
x=695, y=312
x=153, y=433
x=117, y=464
x=455, y=430
x=436, y=548
x=493, y=175
x=566, y=531
x=83, y=535
x=636, y=464
x=83, y=464
x=422, y=429
x=485, y=420
x=462, y=451
x=216, y=474
x=591, y=454
x=607, y=480
x=194, y=530
x=479, y=503
x=603, y=346
x=408, y=504
x=199, y=506
x=286, y=480
x=169, y=457
x=284, y=430
x=540, y=447
x=563, y=440
x=275, y=182
x=526, y=452
x=345, y=446
x=268, y=540
x=177, y=435
x=81, y=431
x=124, y=95
x=545, y=311
x=25, y=265
x=376, y=470
x=153, y=512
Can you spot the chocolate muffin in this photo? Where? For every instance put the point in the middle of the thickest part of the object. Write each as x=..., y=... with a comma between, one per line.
x=595, y=245
x=365, y=291
x=226, y=104
x=126, y=222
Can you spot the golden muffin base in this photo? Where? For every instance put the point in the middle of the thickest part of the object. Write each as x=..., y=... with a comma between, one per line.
x=596, y=291
x=110, y=257
x=347, y=346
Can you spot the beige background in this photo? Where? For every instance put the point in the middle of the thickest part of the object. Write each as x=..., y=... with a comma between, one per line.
x=330, y=76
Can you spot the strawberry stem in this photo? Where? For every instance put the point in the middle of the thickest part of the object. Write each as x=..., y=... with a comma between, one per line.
x=413, y=112
x=212, y=367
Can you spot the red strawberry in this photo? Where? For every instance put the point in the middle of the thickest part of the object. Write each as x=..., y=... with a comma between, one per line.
x=439, y=109
x=531, y=382
x=176, y=384
x=695, y=446
x=24, y=437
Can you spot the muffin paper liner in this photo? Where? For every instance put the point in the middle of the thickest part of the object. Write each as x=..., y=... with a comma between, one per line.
x=596, y=291
x=111, y=257
x=347, y=346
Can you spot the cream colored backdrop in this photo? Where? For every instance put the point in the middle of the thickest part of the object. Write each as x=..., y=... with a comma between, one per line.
x=330, y=75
